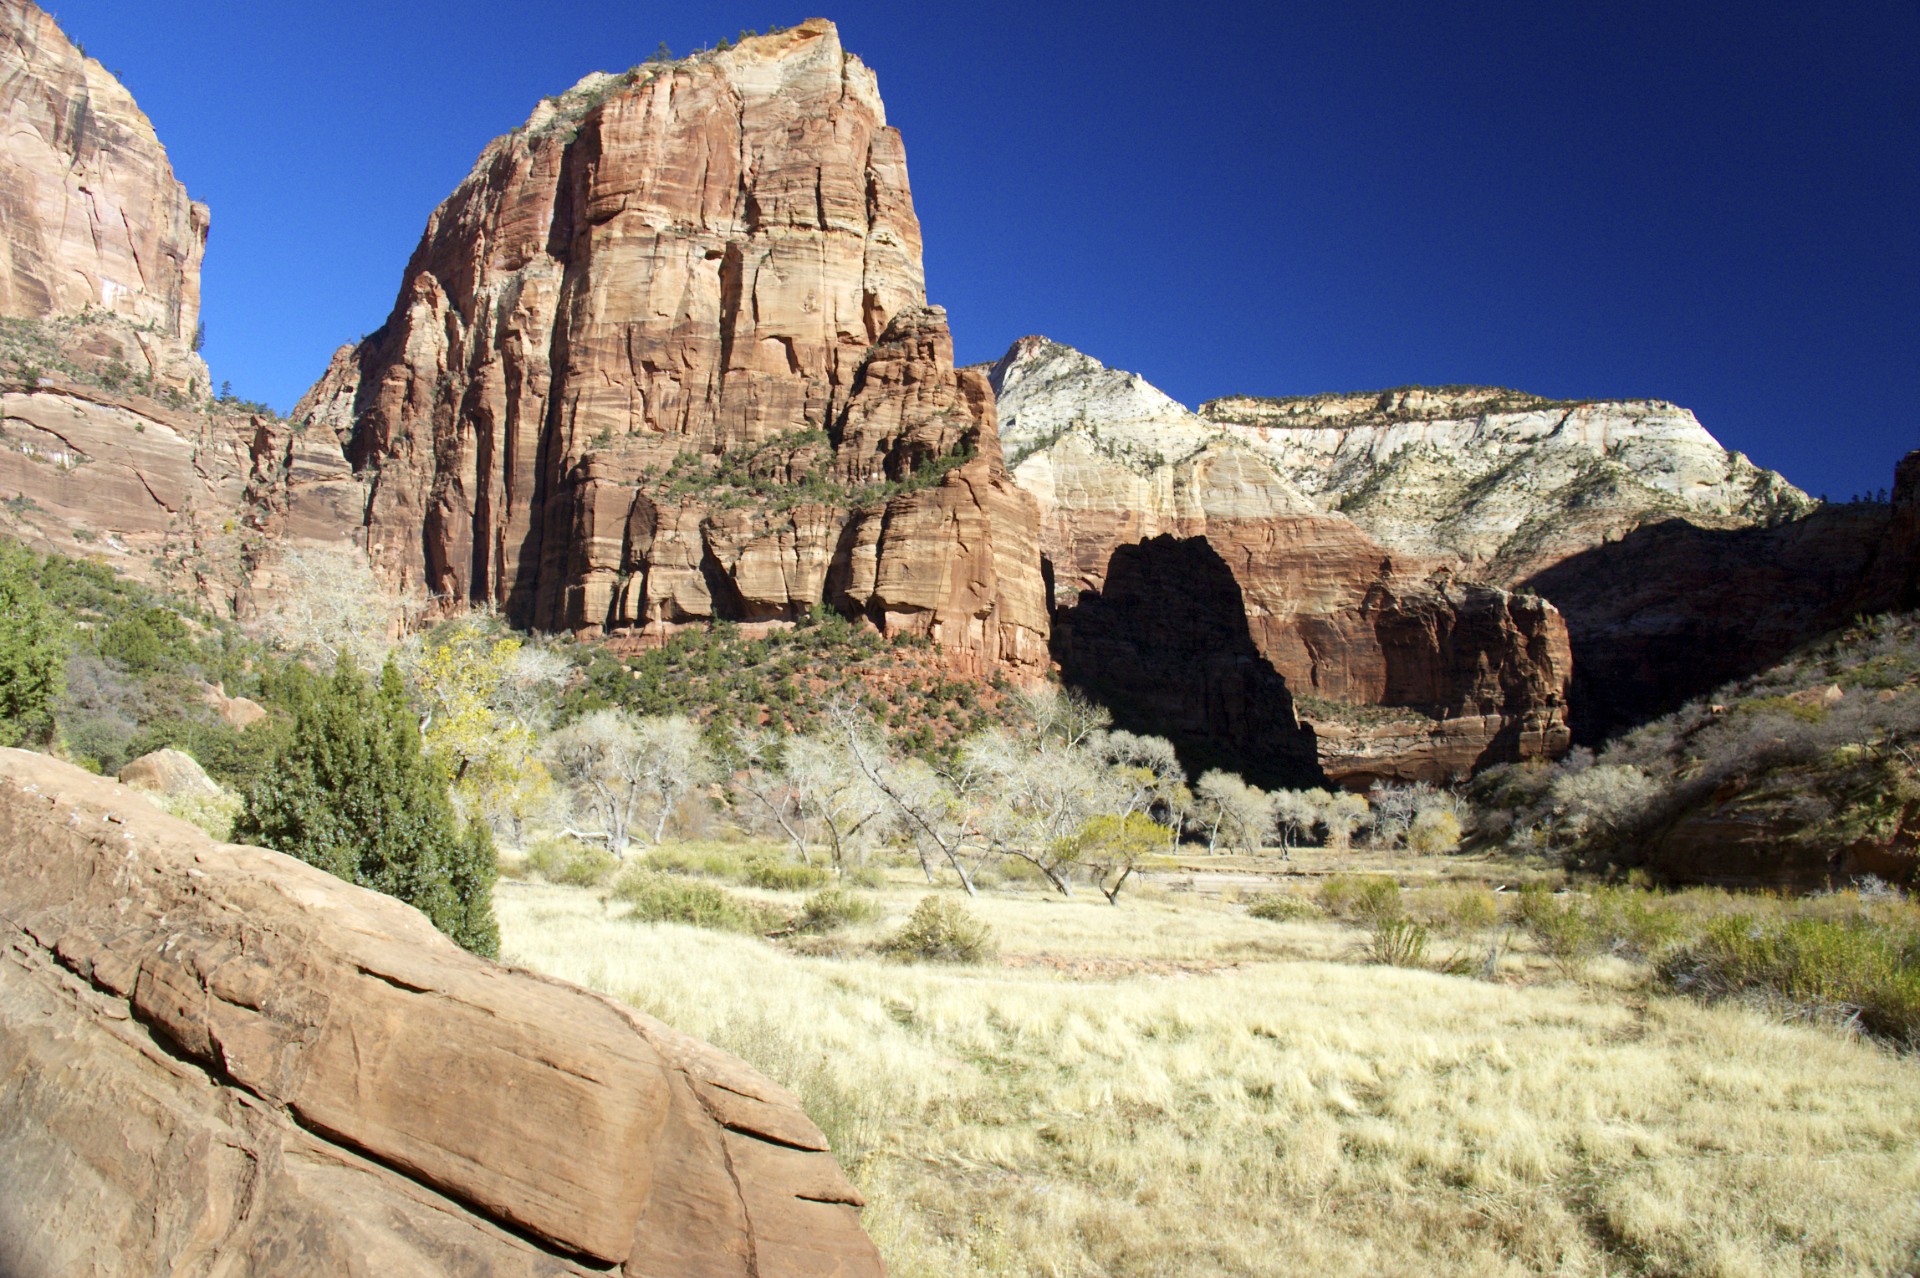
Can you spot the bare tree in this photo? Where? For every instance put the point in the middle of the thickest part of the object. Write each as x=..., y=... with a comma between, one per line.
x=622, y=768
x=830, y=788
x=1232, y=808
x=927, y=806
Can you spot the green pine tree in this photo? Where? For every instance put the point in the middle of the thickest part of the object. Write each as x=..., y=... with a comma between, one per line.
x=33, y=652
x=352, y=793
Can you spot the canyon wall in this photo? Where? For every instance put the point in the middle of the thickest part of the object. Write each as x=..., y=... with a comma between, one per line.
x=1404, y=669
x=1499, y=483
x=110, y=447
x=665, y=357
x=95, y=219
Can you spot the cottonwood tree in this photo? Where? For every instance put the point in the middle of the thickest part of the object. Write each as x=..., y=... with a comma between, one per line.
x=927, y=806
x=1340, y=813
x=1111, y=846
x=1295, y=813
x=1227, y=806
x=1028, y=796
x=623, y=769
x=484, y=699
x=329, y=604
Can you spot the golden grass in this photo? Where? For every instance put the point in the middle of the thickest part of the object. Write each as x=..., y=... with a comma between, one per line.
x=1283, y=1115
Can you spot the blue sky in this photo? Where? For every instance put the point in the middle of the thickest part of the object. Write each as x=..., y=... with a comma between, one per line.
x=1713, y=203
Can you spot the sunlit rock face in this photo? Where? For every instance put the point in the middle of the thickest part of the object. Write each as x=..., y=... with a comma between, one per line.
x=1350, y=624
x=665, y=356
x=1500, y=483
x=218, y=1059
x=95, y=220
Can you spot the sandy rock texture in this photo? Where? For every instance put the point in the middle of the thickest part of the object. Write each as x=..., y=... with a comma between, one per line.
x=665, y=356
x=94, y=217
x=218, y=1060
x=1351, y=625
x=1503, y=484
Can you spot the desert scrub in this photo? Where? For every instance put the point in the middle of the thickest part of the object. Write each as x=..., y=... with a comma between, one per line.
x=1456, y=907
x=1853, y=968
x=942, y=930
x=573, y=862
x=1398, y=942
x=1283, y=907
x=833, y=908
x=1363, y=897
x=666, y=898
x=782, y=876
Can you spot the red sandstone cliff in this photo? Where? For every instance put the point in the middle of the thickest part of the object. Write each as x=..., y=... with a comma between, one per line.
x=1403, y=672
x=94, y=218
x=665, y=356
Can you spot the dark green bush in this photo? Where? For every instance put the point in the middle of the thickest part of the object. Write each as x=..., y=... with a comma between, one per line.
x=1282, y=907
x=573, y=862
x=1853, y=967
x=783, y=876
x=1366, y=897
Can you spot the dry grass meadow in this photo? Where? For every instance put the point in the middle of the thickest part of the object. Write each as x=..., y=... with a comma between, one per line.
x=1176, y=1088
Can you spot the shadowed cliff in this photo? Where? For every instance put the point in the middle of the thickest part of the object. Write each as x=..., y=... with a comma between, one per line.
x=1165, y=646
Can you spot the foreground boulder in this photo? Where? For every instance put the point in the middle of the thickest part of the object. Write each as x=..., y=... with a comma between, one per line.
x=217, y=1059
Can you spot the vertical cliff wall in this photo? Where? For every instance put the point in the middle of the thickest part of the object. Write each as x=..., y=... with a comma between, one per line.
x=94, y=218
x=665, y=356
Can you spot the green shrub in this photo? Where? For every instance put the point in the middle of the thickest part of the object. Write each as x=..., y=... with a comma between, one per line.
x=703, y=862
x=1366, y=897
x=833, y=908
x=942, y=930
x=1282, y=907
x=573, y=862
x=1457, y=907
x=351, y=792
x=1853, y=967
x=668, y=898
x=1399, y=942
x=783, y=876
x=1563, y=929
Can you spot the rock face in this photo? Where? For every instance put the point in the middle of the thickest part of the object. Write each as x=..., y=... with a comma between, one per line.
x=1672, y=610
x=216, y=1059
x=94, y=218
x=1499, y=483
x=108, y=446
x=1165, y=646
x=665, y=356
x=1470, y=674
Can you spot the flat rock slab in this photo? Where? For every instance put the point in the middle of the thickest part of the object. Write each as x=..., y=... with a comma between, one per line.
x=219, y=1060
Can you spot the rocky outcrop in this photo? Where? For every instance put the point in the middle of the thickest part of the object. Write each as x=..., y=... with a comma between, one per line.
x=1473, y=674
x=173, y=773
x=1501, y=484
x=665, y=357
x=216, y=1059
x=95, y=220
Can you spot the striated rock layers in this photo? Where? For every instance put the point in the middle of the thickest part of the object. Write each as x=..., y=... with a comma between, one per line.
x=1499, y=483
x=1404, y=670
x=108, y=446
x=216, y=1059
x=94, y=218
x=664, y=356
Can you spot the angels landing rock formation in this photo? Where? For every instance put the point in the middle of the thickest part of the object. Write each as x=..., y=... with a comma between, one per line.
x=1404, y=670
x=220, y=1060
x=664, y=356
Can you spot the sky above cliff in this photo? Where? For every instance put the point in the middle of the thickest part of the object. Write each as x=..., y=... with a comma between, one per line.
x=1713, y=203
